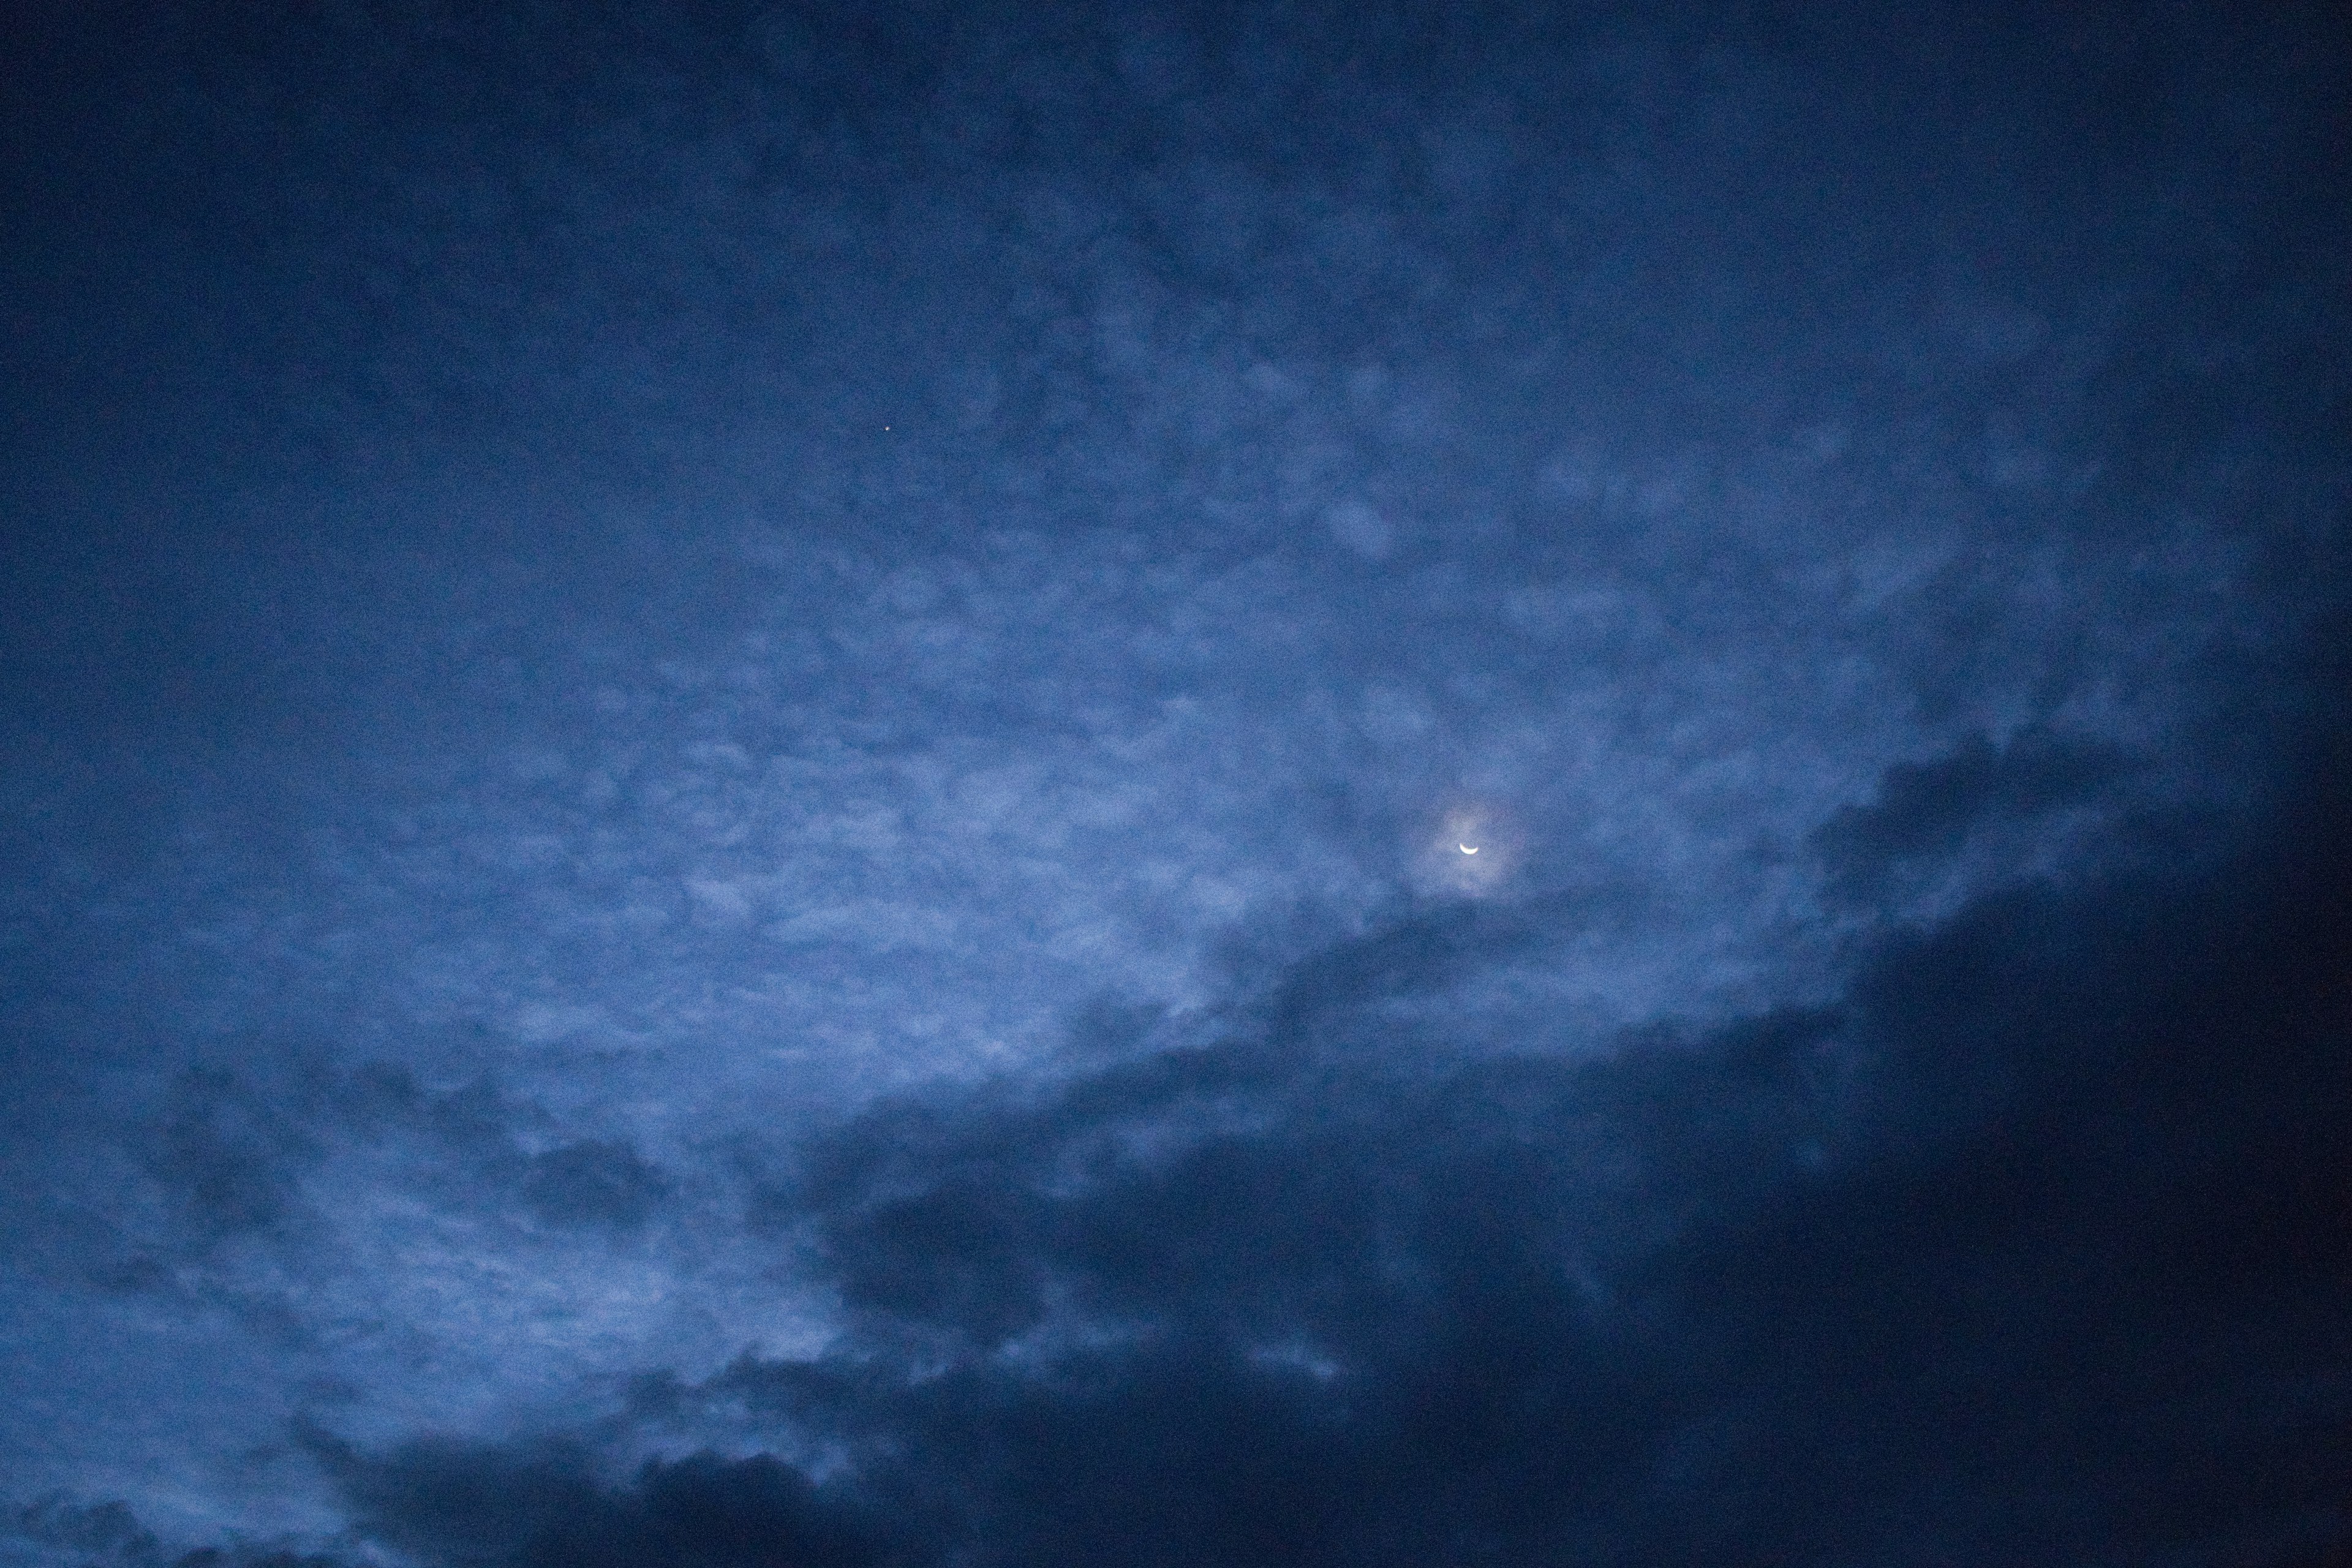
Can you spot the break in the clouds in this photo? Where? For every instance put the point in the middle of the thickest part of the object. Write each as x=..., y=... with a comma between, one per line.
x=740, y=749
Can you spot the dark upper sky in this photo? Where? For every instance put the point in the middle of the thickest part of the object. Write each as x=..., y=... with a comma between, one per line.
x=740, y=750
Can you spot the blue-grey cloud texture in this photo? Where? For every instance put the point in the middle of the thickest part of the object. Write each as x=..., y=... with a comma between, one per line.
x=737, y=751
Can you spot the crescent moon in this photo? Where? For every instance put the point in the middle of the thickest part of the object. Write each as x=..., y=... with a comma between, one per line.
x=1466, y=849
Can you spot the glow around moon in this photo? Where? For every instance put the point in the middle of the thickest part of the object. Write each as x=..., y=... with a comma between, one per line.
x=1469, y=851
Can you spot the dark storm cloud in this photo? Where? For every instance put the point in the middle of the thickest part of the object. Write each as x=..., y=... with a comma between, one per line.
x=2030, y=1247
x=623, y=611
x=543, y=1506
x=252, y=1151
x=1926, y=811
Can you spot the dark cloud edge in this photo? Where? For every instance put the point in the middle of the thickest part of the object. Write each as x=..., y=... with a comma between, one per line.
x=2031, y=1247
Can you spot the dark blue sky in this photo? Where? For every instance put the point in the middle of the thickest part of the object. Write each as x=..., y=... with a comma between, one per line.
x=739, y=751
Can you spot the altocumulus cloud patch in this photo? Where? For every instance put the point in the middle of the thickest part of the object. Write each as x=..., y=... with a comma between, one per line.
x=735, y=746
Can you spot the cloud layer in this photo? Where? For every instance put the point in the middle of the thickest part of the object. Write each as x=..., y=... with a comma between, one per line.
x=2029, y=1246
x=735, y=741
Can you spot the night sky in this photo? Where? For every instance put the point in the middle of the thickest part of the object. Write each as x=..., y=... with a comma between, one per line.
x=741, y=749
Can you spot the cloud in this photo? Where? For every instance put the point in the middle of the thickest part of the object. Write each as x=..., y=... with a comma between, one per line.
x=56, y=1533
x=1922, y=808
x=601, y=1183
x=650, y=582
x=231, y=1159
x=2029, y=1248
x=1925, y=814
x=542, y=1506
